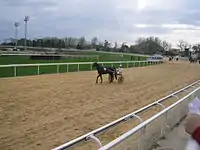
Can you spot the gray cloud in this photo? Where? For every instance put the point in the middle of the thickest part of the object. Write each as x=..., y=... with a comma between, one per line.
x=29, y=3
x=111, y=19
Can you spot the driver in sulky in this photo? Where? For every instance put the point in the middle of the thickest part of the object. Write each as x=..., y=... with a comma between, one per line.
x=119, y=70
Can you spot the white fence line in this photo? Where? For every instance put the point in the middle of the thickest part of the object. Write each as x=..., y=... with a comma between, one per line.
x=72, y=49
x=143, y=125
x=134, y=114
x=15, y=66
x=41, y=54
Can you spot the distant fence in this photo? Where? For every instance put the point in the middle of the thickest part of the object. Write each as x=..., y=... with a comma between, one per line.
x=150, y=130
x=28, y=53
x=14, y=70
x=71, y=49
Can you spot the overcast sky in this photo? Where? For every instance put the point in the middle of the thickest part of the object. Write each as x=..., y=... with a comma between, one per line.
x=114, y=20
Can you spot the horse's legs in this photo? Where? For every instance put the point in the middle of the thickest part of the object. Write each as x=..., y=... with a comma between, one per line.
x=116, y=75
x=101, y=78
x=97, y=78
x=112, y=76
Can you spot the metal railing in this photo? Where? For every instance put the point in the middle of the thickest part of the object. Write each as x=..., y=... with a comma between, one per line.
x=92, y=135
x=126, y=64
x=154, y=128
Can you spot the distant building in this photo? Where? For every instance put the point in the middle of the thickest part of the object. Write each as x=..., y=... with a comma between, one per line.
x=155, y=57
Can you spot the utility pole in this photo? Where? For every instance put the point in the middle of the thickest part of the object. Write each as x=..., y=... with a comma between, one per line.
x=16, y=33
x=25, y=20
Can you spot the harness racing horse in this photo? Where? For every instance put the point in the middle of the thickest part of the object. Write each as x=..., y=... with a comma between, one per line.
x=170, y=58
x=105, y=70
x=192, y=60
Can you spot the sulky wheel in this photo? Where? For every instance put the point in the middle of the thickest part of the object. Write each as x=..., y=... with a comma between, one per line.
x=120, y=79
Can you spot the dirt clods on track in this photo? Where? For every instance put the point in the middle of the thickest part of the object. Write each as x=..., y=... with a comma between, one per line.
x=42, y=112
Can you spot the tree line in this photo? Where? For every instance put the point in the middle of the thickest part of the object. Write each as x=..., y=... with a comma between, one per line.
x=149, y=45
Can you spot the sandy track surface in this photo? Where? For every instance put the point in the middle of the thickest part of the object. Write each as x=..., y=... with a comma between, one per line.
x=41, y=112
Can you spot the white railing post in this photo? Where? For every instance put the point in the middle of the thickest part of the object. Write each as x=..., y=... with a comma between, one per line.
x=95, y=140
x=138, y=117
x=127, y=65
x=175, y=96
x=141, y=142
x=67, y=67
x=38, y=69
x=57, y=68
x=165, y=122
x=15, y=71
x=91, y=66
x=162, y=124
x=78, y=67
x=178, y=114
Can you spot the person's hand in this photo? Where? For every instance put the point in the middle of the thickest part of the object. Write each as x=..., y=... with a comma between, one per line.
x=192, y=123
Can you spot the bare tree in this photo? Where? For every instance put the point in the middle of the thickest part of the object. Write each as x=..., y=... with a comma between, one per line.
x=183, y=45
x=196, y=47
x=166, y=46
x=115, y=47
x=82, y=41
x=94, y=41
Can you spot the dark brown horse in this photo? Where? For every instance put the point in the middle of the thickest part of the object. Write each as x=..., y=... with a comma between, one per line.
x=111, y=71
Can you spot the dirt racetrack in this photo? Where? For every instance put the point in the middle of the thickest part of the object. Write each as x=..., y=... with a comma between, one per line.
x=41, y=112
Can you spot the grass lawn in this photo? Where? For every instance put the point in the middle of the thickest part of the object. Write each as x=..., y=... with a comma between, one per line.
x=23, y=71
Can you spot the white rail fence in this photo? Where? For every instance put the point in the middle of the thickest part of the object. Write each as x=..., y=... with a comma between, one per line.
x=154, y=128
x=150, y=130
x=29, y=53
x=78, y=65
